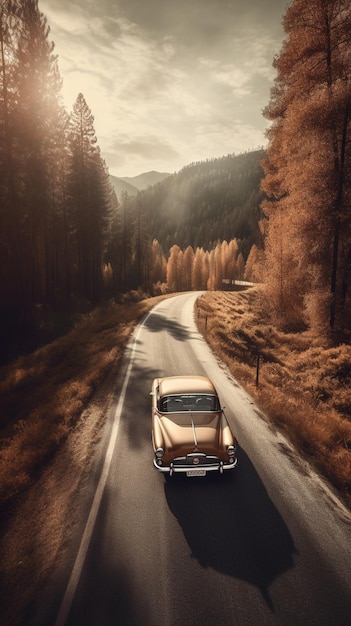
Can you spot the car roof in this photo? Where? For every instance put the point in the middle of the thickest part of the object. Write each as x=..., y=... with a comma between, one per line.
x=185, y=384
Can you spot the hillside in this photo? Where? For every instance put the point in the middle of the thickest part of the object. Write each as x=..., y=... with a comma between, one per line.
x=145, y=180
x=120, y=186
x=208, y=201
x=133, y=184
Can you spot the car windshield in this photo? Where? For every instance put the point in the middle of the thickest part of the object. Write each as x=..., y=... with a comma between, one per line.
x=189, y=402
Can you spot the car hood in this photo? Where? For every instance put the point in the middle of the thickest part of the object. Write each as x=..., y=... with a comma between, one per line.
x=189, y=432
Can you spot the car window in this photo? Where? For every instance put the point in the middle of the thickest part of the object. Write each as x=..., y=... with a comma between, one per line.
x=207, y=403
x=189, y=402
x=171, y=404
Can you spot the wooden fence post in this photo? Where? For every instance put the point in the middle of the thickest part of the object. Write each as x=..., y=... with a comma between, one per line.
x=258, y=370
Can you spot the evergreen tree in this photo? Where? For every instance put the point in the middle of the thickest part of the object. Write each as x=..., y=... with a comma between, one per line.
x=37, y=118
x=90, y=201
x=11, y=269
x=113, y=256
x=30, y=118
x=142, y=248
x=208, y=201
x=127, y=242
x=158, y=267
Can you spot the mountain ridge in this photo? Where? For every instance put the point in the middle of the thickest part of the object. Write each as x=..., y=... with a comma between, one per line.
x=146, y=179
x=133, y=184
x=208, y=201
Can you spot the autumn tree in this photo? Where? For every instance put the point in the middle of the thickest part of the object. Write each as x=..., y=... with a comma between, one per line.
x=175, y=269
x=188, y=261
x=215, y=269
x=200, y=270
x=253, y=265
x=241, y=266
x=307, y=170
x=231, y=268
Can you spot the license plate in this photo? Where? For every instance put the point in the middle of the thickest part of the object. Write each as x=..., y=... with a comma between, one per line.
x=196, y=473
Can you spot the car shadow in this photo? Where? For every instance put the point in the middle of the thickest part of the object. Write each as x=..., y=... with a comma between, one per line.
x=231, y=525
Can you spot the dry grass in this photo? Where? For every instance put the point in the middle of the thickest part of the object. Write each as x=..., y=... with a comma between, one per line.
x=43, y=394
x=303, y=386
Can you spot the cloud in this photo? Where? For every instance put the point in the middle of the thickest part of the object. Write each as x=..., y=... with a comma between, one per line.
x=125, y=153
x=168, y=82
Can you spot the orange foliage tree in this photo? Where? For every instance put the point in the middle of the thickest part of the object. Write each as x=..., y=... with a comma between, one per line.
x=202, y=270
x=308, y=165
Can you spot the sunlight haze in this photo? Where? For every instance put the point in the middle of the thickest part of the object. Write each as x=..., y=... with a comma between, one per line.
x=169, y=83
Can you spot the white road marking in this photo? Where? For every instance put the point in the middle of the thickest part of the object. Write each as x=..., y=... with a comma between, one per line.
x=68, y=598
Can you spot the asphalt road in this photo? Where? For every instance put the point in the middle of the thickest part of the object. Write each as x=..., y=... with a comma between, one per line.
x=269, y=545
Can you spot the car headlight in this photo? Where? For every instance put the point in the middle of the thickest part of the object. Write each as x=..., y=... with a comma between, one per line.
x=159, y=453
x=231, y=451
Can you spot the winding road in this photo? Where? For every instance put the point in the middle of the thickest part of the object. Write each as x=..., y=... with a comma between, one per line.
x=270, y=544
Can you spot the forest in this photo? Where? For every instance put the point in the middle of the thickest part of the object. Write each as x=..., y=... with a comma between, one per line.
x=193, y=230
x=207, y=202
x=67, y=243
x=279, y=216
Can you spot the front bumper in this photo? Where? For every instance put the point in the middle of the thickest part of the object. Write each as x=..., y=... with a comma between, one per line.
x=204, y=463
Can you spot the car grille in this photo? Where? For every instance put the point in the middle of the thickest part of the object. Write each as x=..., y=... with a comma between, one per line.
x=196, y=460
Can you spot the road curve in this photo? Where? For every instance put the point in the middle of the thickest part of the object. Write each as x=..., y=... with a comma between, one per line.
x=269, y=545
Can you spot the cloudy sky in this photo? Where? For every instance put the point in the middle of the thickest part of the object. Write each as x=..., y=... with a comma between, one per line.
x=169, y=82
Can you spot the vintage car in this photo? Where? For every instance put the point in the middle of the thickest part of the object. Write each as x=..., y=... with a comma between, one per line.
x=190, y=433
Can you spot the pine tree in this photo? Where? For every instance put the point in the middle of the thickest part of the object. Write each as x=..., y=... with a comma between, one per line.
x=30, y=119
x=37, y=116
x=141, y=246
x=158, y=267
x=113, y=255
x=90, y=201
x=11, y=269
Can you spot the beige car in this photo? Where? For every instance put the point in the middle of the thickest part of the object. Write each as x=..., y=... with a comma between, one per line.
x=190, y=433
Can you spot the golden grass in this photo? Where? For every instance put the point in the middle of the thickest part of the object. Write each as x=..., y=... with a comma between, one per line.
x=303, y=386
x=43, y=394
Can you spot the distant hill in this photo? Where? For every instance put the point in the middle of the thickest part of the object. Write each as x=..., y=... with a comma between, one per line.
x=143, y=181
x=207, y=202
x=133, y=184
x=121, y=185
